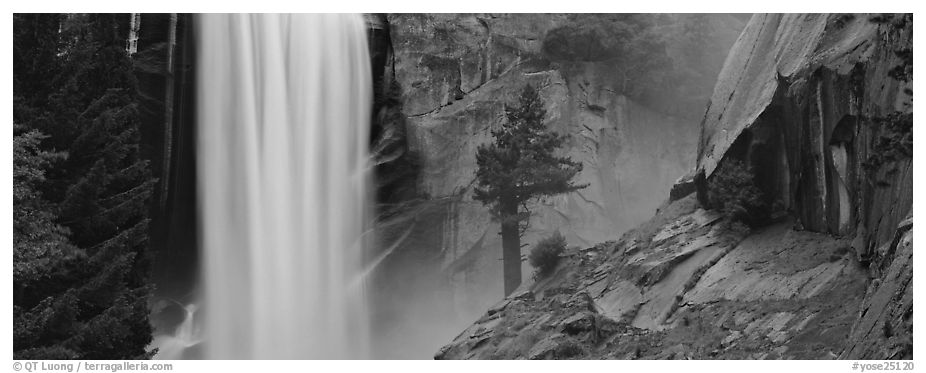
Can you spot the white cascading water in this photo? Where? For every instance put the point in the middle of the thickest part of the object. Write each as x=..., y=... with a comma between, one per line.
x=283, y=130
x=185, y=336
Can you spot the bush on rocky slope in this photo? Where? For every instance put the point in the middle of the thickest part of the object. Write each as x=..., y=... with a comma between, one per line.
x=545, y=255
x=733, y=191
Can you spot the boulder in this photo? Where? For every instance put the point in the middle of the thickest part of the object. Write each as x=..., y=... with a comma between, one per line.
x=578, y=323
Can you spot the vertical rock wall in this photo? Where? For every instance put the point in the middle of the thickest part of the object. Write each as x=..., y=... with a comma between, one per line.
x=458, y=71
x=166, y=91
x=453, y=75
x=804, y=98
x=797, y=99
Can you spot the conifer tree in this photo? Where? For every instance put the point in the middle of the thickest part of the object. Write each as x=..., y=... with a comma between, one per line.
x=518, y=167
x=81, y=253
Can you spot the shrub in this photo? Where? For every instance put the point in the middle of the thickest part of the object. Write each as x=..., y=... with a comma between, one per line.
x=894, y=140
x=545, y=255
x=733, y=191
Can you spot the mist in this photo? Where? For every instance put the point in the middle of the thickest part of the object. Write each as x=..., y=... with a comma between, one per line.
x=443, y=267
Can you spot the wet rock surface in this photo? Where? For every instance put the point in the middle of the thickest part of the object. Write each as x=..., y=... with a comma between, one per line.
x=830, y=277
x=686, y=284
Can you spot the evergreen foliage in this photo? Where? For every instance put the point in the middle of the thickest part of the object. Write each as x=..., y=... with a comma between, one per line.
x=80, y=221
x=733, y=191
x=518, y=167
x=40, y=244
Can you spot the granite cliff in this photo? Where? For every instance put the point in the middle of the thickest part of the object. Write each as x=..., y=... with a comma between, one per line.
x=446, y=79
x=817, y=106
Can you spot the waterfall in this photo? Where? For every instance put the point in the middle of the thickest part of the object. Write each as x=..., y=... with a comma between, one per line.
x=283, y=131
x=173, y=346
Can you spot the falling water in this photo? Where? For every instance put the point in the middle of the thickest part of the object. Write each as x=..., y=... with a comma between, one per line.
x=282, y=134
x=173, y=346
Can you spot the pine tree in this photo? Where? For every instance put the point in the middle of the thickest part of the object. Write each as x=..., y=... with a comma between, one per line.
x=518, y=167
x=81, y=255
x=40, y=245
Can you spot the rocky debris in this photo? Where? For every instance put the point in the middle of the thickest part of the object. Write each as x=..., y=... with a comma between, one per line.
x=578, y=323
x=774, y=293
x=544, y=349
x=555, y=346
x=523, y=295
x=653, y=275
x=557, y=322
x=500, y=306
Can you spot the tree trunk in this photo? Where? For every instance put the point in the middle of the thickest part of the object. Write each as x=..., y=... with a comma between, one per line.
x=511, y=249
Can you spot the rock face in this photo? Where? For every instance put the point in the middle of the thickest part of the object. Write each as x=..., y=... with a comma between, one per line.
x=458, y=72
x=801, y=99
x=884, y=328
x=797, y=99
x=164, y=68
x=686, y=284
x=453, y=74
